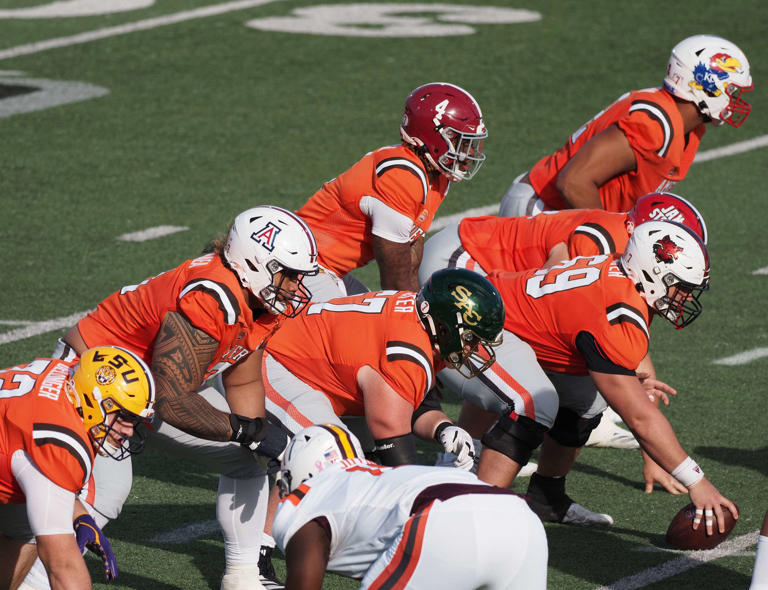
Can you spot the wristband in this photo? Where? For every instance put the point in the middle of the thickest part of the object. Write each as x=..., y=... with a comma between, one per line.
x=440, y=427
x=688, y=472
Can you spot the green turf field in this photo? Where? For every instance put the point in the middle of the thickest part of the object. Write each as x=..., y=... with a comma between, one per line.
x=181, y=116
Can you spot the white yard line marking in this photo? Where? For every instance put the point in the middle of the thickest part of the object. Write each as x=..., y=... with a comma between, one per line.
x=743, y=357
x=761, y=271
x=15, y=323
x=683, y=563
x=187, y=533
x=151, y=233
x=36, y=328
x=729, y=150
x=142, y=25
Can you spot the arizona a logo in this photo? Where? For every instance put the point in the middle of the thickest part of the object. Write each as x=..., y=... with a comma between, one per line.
x=266, y=236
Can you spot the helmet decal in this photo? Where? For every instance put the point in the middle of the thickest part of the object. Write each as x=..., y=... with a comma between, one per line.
x=105, y=375
x=266, y=236
x=466, y=305
x=666, y=250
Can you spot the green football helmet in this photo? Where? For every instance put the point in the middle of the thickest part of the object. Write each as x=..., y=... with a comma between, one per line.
x=464, y=315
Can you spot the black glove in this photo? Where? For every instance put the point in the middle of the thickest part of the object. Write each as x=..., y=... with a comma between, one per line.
x=249, y=432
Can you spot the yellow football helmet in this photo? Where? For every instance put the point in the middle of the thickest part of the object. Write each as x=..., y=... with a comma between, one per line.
x=111, y=380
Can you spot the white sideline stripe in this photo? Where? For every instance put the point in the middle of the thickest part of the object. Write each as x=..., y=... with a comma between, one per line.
x=743, y=357
x=730, y=150
x=142, y=25
x=650, y=549
x=36, y=328
x=187, y=533
x=151, y=233
x=761, y=271
x=689, y=560
x=15, y=323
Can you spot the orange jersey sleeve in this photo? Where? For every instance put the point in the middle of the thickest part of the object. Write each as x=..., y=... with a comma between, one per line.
x=608, y=305
x=37, y=417
x=654, y=128
x=394, y=176
x=203, y=290
x=520, y=243
x=599, y=232
x=328, y=342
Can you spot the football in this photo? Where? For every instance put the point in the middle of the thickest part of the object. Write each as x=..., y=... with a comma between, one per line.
x=680, y=535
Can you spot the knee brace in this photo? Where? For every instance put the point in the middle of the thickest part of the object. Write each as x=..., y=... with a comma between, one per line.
x=515, y=436
x=571, y=430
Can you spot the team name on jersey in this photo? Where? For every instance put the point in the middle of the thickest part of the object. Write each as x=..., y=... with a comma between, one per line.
x=53, y=384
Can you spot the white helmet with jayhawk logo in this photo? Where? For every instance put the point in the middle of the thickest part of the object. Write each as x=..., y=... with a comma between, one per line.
x=267, y=240
x=712, y=73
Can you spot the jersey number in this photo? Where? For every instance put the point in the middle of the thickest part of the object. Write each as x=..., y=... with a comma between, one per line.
x=369, y=305
x=25, y=383
x=571, y=274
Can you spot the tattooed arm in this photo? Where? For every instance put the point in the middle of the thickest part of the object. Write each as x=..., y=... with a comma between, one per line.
x=182, y=355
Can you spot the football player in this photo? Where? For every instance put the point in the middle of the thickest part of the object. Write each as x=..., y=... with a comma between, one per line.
x=55, y=416
x=574, y=336
x=760, y=571
x=384, y=204
x=212, y=316
x=376, y=355
x=400, y=528
x=646, y=140
x=483, y=244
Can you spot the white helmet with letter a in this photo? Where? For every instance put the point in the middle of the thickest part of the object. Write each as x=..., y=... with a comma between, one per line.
x=312, y=449
x=265, y=241
x=669, y=265
x=712, y=73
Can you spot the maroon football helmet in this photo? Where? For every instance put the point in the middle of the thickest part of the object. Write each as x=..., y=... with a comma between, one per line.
x=667, y=207
x=445, y=123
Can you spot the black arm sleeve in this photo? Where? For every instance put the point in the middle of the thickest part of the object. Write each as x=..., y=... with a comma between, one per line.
x=596, y=359
x=397, y=450
x=430, y=402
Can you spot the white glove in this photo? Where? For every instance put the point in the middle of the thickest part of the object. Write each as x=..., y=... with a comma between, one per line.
x=457, y=441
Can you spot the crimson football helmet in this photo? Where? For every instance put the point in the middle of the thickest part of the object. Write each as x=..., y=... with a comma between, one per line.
x=446, y=126
x=264, y=241
x=712, y=73
x=669, y=265
x=669, y=207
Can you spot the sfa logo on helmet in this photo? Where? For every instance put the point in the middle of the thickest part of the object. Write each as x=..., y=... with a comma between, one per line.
x=721, y=65
x=666, y=250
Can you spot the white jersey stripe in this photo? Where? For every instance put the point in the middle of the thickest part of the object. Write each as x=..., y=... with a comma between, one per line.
x=395, y=349
x=404, y=163
x=223, y=295
x=614, y=316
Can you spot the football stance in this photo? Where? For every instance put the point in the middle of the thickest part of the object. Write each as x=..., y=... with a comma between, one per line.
x=578, y=332
x=646, y=140
x=489, y=243
x=406, y=527
x=211, y=316
x=384, y=204
x=55, y=416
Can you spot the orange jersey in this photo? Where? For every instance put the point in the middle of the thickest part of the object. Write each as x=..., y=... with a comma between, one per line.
x=654, y=128
x=393, y=175
x=204, y=291
x=37, y=417
x=549, y=308
x=328, y=342
x=520, y=243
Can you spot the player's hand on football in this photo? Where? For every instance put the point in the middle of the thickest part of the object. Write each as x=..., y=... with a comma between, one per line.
x=654, y=473
x=89, y=536
x=457, y=441
x=656, y=390
x=710, y=505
